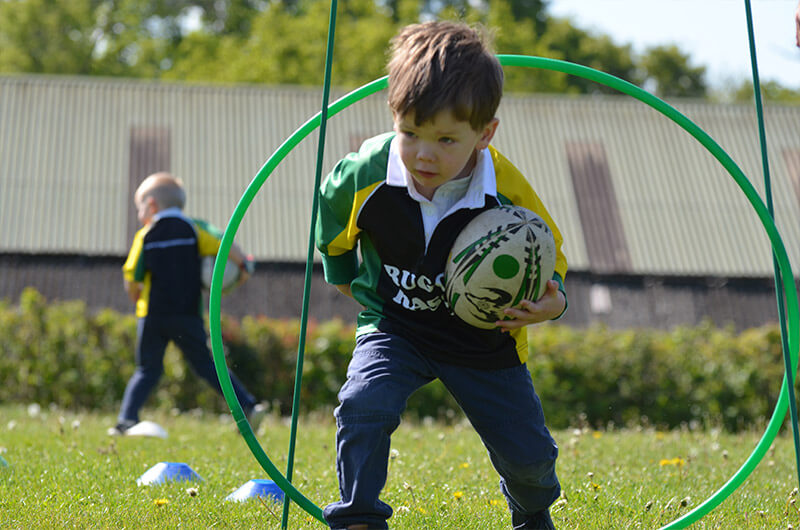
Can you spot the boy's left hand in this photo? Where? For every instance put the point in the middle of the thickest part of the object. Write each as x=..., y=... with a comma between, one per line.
x=548, y=307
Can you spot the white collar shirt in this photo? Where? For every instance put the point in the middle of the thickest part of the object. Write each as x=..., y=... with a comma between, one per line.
x=469, y=192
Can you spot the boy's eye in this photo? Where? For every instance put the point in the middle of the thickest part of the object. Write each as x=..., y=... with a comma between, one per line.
x=408, y=134
x=447, y=140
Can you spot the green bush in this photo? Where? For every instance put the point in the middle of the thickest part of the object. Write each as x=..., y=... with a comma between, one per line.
x=64, y=354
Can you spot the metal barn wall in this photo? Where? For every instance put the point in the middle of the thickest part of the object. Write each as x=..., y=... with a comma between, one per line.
x=640, y=203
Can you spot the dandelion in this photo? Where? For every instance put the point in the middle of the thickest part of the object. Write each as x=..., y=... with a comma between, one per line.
x=597, y=435
x=464, y=465
x=402, y=510
x=677, y=462
x=161, y=502
x=458, y=495
x=495, y=502
x=422, y=510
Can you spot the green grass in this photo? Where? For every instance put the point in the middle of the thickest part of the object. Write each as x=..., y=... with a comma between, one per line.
x=64, y=471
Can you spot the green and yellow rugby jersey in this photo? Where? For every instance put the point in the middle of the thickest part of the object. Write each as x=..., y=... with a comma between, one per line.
x=399, y=279
x=165, y=258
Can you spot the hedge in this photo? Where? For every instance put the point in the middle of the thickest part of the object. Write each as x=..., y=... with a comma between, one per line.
x=62, y=353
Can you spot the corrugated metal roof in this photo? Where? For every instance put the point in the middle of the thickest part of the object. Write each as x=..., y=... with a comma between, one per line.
x=66, y=167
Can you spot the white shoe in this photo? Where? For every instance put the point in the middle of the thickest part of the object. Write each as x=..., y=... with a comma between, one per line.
x=256, y=415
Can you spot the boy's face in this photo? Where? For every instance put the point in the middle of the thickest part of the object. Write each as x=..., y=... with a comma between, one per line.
x=441, y=149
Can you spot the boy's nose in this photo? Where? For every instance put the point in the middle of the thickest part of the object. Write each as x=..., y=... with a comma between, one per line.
x=425, y=154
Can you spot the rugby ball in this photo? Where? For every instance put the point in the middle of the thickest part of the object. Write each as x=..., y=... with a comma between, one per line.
x=504, y=255
x=229, y=279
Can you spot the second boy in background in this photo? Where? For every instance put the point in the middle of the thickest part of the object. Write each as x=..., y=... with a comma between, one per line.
x=402, y=200
x=162, y=277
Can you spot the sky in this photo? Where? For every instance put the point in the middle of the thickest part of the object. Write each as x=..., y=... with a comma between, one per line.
x=712, y=32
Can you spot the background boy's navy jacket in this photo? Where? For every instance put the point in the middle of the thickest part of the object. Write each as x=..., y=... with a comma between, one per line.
x=165, y=258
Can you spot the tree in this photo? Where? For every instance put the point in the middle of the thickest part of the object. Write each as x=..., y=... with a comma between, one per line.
x=565, y=41
x=283, y=41
x=770, y=91
x=233, y=17
x=287, y=47
x=47, y=36
x=669, y=69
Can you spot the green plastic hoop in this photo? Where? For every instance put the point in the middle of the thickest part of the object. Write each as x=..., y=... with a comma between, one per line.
x=557, y=65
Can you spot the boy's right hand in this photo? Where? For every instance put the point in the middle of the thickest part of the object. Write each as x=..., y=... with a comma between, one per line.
x=528, y=312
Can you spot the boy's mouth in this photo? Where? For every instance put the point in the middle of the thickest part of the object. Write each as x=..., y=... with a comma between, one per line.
x=426, y=175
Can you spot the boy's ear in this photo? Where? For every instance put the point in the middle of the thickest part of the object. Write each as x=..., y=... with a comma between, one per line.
x=488, y=133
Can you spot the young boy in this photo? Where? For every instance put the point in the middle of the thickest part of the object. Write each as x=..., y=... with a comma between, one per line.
x=403, y=199
x=162, y=276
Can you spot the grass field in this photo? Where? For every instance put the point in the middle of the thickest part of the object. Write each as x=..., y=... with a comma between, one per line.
x=64, y=472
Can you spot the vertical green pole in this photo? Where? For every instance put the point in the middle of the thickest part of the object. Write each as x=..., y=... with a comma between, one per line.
x=309, y=260
x=777, y=273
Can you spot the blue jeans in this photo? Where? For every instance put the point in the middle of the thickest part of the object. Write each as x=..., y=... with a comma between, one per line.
x=501, y=405
x=153, y=333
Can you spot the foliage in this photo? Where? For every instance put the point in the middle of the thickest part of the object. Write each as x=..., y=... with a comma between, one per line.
x=283, y=42
x=669, y=69
x=60, y=353
x=770, y=91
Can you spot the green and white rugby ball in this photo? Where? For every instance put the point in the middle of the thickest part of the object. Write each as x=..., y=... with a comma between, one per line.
x=504, y=255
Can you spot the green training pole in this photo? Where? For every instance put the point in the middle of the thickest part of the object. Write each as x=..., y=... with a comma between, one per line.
x=309, y=259
x=762, y=135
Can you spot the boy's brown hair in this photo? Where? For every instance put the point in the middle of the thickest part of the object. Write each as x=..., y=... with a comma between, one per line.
x=437, y=66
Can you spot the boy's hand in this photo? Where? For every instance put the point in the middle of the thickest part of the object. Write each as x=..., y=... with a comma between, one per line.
x=134, y=289
x=246, y=269
x=344, y=288
x=548, y=307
